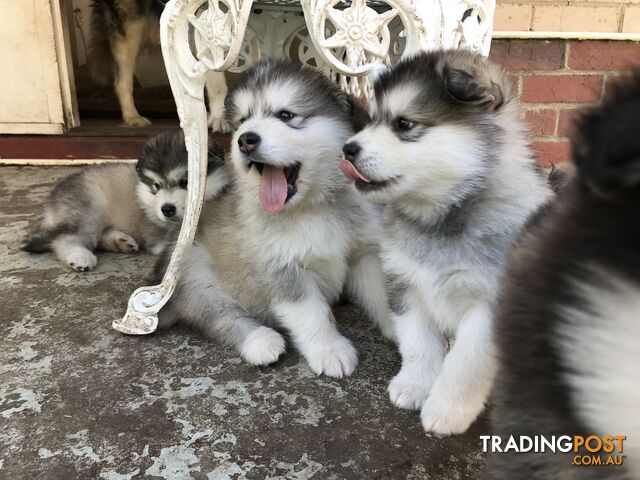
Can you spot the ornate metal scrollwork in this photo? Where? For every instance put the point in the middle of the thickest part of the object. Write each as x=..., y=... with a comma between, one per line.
x=351, y=39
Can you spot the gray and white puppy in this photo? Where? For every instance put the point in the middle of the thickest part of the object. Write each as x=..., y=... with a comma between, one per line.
x=290, y=235
x=447, y=155
x=121, y=208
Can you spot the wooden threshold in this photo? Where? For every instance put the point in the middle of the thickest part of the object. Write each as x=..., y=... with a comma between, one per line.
x=97, y=140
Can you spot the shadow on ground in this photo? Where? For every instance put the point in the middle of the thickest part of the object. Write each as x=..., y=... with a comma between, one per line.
x=79, y=400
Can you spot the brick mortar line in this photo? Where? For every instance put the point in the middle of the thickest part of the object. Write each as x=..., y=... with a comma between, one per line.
x=554, y=139
x=555, y=106
x=567, y=73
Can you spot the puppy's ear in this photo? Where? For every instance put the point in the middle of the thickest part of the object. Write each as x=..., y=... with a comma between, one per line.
x=359, y=116
x=606, y=148
x=606, y=144
x=354, y=109
x=472, y=87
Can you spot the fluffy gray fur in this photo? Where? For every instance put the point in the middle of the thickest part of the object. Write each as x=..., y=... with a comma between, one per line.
x=250, y=270
x=121, y=208
x=447, y=156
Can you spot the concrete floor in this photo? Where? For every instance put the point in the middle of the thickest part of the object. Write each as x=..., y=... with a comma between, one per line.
x=79, y=400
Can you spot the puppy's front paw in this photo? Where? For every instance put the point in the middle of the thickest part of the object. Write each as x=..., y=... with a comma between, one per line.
x=262, y=346
x=445, y=415
x=217, y=123
x=126, y=244
x=409, y=391
x=81, y=260
x=337, y=359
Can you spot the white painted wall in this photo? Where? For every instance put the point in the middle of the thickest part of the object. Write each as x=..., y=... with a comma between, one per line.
x=31, y=96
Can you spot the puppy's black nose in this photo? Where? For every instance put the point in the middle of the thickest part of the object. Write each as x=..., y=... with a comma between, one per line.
x=168, y=210
x=351, y=151
x=248, y=142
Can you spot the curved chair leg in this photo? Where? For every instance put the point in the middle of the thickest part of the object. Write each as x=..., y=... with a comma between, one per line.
x=219, y=33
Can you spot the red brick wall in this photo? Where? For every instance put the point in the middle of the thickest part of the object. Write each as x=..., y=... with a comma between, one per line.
x=556, y=79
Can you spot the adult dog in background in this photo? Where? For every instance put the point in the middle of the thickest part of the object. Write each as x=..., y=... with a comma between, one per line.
x=448, y=157
x=290, y=235
x=568, y=323
x=120, y=29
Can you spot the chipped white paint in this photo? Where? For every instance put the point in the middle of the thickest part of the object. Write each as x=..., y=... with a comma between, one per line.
x=42, y=366
x=226, y=438
x=293, y=470
x=82, y=448
x=28, y=325
x=113, y=475
x=174, y=463
x=45, y=453
x=229, y=470
x=178, y=461
x=192, y=436
x=191, y=387
x=360, y=43
x=28, y=398
x=144, y=454
x=27, y=353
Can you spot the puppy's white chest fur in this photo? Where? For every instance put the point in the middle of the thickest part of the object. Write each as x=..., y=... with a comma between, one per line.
x=320, y=244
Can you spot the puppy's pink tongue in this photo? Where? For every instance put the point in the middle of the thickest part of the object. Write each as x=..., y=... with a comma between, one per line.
x=351, y=172
x=273, y=189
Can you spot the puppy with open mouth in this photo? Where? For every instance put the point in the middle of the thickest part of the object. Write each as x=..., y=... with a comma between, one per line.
x=447, y=156
x=290, y=235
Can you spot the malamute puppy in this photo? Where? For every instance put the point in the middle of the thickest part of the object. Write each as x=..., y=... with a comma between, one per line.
x=290, y=235
x=121, y=208
x=568, y=324
x=447, y=156
x=119, y=30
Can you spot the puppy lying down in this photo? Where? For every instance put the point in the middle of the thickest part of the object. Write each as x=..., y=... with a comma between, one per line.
x=121, y=208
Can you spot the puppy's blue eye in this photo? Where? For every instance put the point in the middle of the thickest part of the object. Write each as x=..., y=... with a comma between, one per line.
x=404, y=124
x=183, y=183
x=243, y=119
x=155, y=187
x=285, y=115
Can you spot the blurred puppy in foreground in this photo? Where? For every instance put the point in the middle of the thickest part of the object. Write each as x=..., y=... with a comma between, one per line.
x=568, y=325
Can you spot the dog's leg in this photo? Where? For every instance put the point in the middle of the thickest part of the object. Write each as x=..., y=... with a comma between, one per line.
x=125, y=54
x=216, y=85
x=422, y=347
x=71, y=250
x=365, y=285
x=113, y=240
x=311, y=323
x=201, y=302
x=461, y=390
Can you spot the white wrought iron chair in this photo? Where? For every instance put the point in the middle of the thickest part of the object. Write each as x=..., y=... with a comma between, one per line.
x=348, y=39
